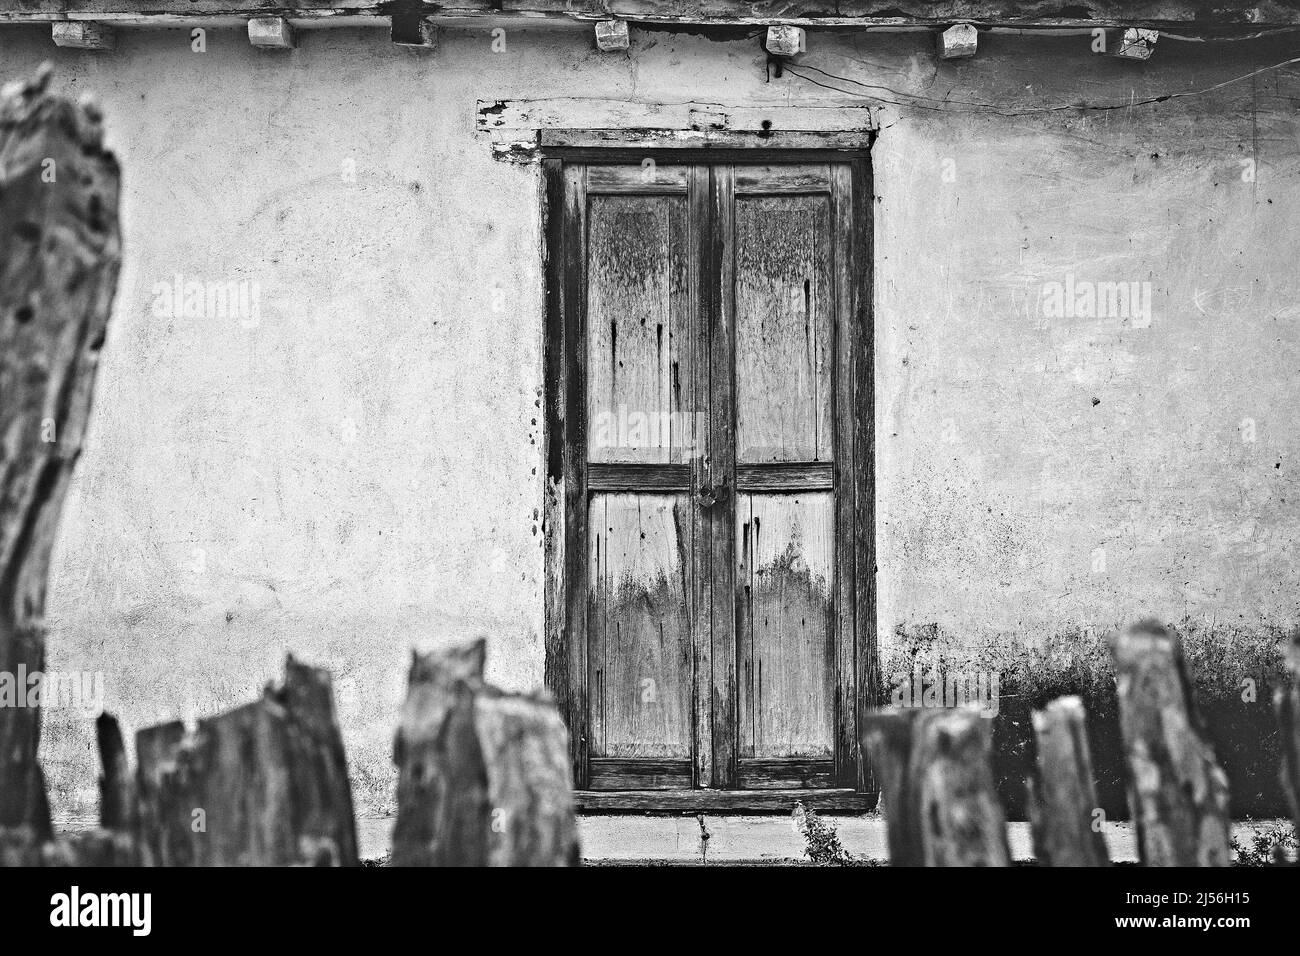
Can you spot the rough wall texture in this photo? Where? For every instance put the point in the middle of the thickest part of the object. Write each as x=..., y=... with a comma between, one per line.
x=355, y=468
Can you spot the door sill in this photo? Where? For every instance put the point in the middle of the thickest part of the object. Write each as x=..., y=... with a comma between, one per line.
x=721, y=801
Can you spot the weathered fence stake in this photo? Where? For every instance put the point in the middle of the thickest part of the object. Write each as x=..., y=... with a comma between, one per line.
x=1063, y=798
x=941, y=805
x=483, y=775
x=59, y=257
x=262, y=785
x=1287, y=704
x=1178, y=794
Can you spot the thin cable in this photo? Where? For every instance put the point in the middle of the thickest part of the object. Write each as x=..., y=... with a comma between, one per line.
x=995, y=110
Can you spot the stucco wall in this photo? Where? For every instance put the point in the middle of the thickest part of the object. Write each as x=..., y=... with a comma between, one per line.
x=358, y=470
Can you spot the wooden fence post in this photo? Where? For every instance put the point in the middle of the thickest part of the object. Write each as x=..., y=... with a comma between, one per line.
x=1063, y=796
x=1286, y=701
x=1178, y=794
x=483, y=775
x=941, y=804
x=887, y=736
x=59, y=257
x=261, y=785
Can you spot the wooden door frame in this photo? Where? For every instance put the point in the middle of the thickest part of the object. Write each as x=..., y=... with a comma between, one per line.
x=857, y=683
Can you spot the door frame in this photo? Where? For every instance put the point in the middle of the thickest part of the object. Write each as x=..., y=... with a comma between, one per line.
x=857, y=684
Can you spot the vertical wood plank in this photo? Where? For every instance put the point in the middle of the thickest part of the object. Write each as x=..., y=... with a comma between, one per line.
x=637, y=303
x=847, y=341
x=784, y=333
x=573, y=305
x=703, y=294
x=641, y=645
x=721, y=468
x=555, y=526
x=862, y=420
x=789, y=542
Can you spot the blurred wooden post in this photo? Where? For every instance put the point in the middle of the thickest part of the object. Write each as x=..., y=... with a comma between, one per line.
x=887, y=736
x=1063, y=797
x=941, y=804
x=483, y=775
x=59, y=257
x=1287, y=704
x=261, y=785
x=1178, y=794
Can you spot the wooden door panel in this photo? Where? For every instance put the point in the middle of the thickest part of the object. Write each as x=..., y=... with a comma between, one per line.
x=638, y=302
x=785, y=549
x=639, y=625
x=785, y=333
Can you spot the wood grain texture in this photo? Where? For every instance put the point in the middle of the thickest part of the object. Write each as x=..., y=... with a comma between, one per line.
x=637, y=312
x=483, y=775
x=59, y=256
x=1063, y=795
x=784, y=327
x=940, y=803
x=264, y=784
x=1178, y=793
x=641, y=649
x=785, y=572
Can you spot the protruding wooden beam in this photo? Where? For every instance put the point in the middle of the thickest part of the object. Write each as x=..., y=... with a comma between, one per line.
x=612, y=35
x=785, y=40
x=1137, y=44
x=1178, y=794
x=272, y=33
x=410, y=27
x=959, y=40
x=1063, y=797
x=84, y=35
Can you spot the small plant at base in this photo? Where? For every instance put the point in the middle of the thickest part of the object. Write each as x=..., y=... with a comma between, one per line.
x=821, y=840
x=1273, y=844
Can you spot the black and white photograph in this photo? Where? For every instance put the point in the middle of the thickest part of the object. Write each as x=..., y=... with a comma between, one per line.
x=815, y=441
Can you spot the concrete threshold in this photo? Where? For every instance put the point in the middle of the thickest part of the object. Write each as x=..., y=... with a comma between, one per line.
x=623, y=838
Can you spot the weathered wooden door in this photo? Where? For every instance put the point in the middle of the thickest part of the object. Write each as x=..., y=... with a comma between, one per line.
x=710, y=311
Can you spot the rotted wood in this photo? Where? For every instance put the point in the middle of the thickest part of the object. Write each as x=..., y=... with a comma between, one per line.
x=940, y=802
x=1063, y=796
x=1287, y=703
x=484, y=776
x=261, y=785
x=59, y=257
x=1178, y=794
